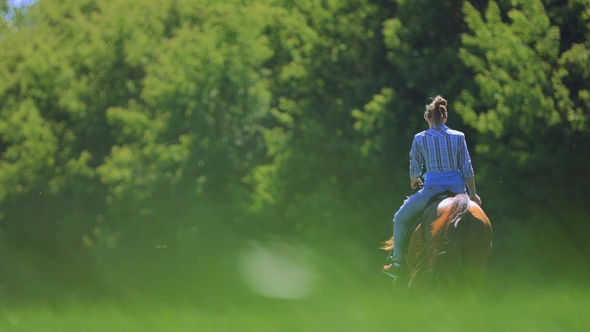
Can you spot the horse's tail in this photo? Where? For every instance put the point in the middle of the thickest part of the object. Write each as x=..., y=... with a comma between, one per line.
x=387, y=245
x=451, y=216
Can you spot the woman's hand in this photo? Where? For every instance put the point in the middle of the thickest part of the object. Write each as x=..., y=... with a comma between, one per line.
x=416, y=183
x=476, y=199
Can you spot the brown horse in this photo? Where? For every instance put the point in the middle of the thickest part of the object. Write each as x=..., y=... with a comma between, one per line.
x=452, y=254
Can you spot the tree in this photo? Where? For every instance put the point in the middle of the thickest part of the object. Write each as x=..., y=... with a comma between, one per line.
x=422, y=39
x=107, y=107
x=327, y=60
x=531, y=101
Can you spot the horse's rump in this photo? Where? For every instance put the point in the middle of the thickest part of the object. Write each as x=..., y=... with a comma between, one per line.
x=451, y=245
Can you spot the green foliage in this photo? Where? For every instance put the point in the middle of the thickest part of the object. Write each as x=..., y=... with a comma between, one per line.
x=372, y=118
x=290, y=116
x=527, y=106
x=30, y=148
x=326, y=60
x=110, y=111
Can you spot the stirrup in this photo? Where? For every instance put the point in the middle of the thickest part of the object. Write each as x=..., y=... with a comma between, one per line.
x=401, y=271
x=389, y=260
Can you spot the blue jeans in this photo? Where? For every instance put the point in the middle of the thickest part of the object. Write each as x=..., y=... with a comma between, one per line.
x=412, y=207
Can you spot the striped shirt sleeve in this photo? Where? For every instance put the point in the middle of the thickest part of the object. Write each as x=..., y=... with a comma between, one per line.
x=416, y=160
x=464, y=161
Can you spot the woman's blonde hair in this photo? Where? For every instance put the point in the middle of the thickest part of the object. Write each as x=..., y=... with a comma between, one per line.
x=436, y=111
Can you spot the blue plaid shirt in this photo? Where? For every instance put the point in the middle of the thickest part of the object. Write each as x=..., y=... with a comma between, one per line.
x=441, y=150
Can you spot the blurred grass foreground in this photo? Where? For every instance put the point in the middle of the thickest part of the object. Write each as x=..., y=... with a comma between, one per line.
x=215, y=279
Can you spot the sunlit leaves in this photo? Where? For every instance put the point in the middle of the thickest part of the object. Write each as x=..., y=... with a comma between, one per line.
x=531, y=104
x=207, y=82
x=519, y=70
x=371, y=119
x=391, y=33
x=512, y=62
x=30, y=147
x=144, y=90
x=324, y=63
x=139, y=168
x=574, y=68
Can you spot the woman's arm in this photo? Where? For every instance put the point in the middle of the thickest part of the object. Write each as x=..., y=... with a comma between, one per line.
x=416, y=161
x=470, y=182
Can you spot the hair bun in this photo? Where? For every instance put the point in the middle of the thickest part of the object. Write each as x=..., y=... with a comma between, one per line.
x=436, y=111
x=440, y=101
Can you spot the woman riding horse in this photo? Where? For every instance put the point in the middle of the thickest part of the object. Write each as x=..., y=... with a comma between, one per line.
x=449, y=247
x=443, y=152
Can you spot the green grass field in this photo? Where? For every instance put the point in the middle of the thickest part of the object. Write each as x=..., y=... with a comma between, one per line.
x=545, y=310
x=335, y=289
